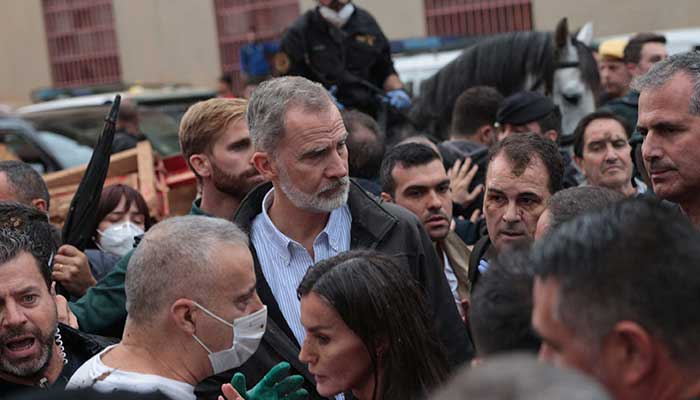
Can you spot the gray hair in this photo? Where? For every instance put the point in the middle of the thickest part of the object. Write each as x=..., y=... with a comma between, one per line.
x=519, y=377
x=568, y=204
x=269, y=103
x=663, y=71
x=25, y=181
x=174, y=259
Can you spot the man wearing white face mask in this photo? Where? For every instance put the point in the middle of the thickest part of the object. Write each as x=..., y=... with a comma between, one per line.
x=342, y=47
x=193, y=312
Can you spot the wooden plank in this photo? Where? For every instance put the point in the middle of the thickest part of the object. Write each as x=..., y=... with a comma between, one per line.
x=121, y=163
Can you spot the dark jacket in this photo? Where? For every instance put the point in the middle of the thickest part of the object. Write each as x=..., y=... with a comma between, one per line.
x=379, y=226
x=481, y=250
x=125, y=141
x=79, y=348
x=318, y=51
x=626, y=107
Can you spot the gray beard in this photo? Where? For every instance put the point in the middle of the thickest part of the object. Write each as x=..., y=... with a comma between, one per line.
x=314, y=202
x=34, y=367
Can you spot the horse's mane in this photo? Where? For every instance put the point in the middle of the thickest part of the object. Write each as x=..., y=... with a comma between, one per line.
x=502, y=61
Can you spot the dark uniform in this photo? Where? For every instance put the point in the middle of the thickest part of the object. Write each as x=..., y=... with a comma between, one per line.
x=349, y=57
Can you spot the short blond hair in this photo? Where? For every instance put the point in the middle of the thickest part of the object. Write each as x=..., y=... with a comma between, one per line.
x=205, y=121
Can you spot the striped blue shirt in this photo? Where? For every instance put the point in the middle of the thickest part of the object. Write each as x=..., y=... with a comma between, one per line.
x=284, y=262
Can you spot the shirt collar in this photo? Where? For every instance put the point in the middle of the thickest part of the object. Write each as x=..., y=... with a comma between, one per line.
x=332, y=230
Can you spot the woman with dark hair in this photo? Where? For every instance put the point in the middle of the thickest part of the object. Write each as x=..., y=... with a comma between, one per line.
x=122, y=214
x=367, y=330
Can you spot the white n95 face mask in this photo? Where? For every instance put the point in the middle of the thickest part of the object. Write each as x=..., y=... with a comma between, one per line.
x=337, y=18
x=119, y=238
x=247, y=333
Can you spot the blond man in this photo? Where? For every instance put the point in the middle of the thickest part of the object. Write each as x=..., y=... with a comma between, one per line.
x=216, y=144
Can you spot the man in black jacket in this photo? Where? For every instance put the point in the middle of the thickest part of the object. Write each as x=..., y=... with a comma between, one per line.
x=311, y=211
x=339, y=44
x=35, y=350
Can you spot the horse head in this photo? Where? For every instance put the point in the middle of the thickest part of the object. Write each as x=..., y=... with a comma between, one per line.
x=576, y=81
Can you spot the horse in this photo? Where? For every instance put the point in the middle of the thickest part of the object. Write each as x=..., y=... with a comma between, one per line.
x=554, y=63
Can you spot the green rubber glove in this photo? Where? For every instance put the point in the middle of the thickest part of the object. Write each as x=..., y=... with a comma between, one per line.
x=275, y=385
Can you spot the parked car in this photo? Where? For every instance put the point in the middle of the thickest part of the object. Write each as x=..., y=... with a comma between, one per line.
x=45, y=151
x=80, y=119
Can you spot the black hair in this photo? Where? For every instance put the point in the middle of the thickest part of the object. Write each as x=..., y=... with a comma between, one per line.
x=26, y=182
x=635, y=260
x=43, y=238
x=551, y=122
x=474, y=108
x=633, y=50
x=501, y=306
x=407, y=155
x=376, y=300
x=109, y=200
x=567, y=204
x=364, y=154
x=582, y=125
x=519, y=150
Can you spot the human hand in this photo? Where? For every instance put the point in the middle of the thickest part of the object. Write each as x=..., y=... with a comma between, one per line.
x=275, y=385
x=461, y=176
x=72, y=270
x=65, y=315
x=398, y=98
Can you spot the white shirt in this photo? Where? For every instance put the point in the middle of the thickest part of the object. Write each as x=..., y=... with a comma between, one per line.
x=96, y=375
x=284, y=262
x=452, y=281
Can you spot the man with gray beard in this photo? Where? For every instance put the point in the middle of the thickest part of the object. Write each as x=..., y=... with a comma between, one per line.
x=311, y=211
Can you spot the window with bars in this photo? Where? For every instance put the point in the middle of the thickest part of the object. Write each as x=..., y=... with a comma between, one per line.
x=477, y=17
x=240, y=22
x=82, y=42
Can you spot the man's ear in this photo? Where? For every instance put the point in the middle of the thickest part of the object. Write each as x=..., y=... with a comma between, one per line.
x=201, y=164
x=262, y=161
x=631, y=352
x=40, y=204
x=182, y=315
x=387, y=197
x=551, y=135
x=486, y=134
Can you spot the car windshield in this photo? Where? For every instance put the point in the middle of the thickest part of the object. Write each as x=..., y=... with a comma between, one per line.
x=67, y=152
x=83, y=125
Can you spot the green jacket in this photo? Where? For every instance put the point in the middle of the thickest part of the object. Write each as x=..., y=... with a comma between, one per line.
x=102, y=310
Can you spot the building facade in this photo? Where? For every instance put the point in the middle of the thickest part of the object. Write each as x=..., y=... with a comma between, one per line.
x=73, y=43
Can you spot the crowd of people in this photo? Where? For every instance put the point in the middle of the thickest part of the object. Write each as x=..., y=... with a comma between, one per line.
x=322, y=259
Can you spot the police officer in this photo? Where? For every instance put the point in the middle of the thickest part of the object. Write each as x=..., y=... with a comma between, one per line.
x=342, y=47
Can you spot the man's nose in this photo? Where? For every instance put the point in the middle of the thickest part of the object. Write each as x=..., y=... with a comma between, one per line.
x=338, y=166
x=13, y=315
x=610, y=153
x=434, y=201
x=650, y=148
x=512, y=213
